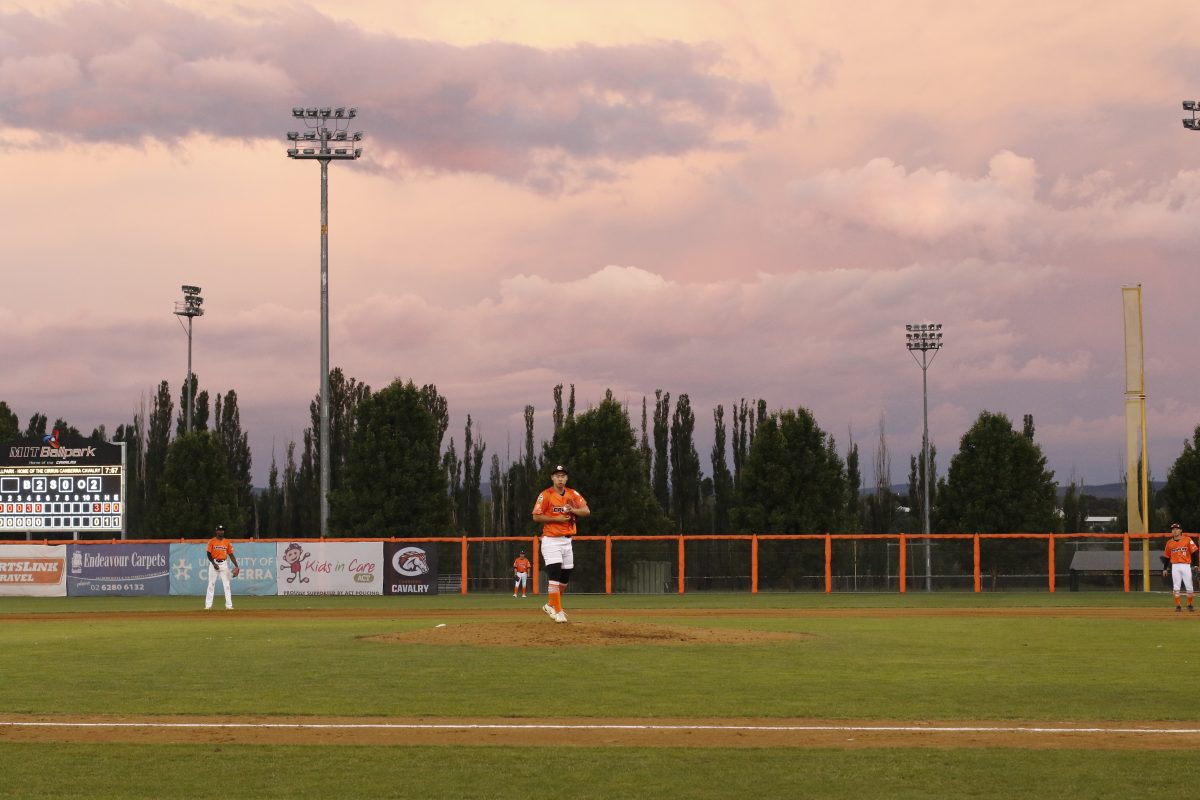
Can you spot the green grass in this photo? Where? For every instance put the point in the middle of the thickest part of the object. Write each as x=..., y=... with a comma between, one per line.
x=1050, y=668
x=59, y=657
x=221, y=772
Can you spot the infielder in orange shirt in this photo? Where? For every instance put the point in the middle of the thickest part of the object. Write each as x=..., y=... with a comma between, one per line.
x=521, y=569
x=1179, y=551
x=556, y=510
x=220, y=553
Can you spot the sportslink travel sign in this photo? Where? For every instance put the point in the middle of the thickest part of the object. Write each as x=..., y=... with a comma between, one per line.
x=50, y=485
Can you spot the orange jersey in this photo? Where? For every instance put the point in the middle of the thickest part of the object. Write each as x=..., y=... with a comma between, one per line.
x=220, y=549
x=552, y=504
x=1180, y=551
x=521, y=564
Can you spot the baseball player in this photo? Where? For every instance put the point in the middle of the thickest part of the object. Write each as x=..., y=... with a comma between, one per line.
x=556, y=509
x=220, y=553
x=1179, y=552
x=521, y=568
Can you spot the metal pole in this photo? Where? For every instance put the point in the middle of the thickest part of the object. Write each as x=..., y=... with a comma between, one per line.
x=925, y=467
x=324, y=442
x=188, y=393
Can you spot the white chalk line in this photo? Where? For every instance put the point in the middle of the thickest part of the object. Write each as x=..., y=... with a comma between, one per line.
x=464, y=726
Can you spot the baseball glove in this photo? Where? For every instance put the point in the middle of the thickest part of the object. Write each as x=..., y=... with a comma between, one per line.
x=235, y=572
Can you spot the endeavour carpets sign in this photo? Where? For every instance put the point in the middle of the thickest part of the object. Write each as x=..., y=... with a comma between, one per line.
x=410, y=568
x=33, y=570
x=118, y=569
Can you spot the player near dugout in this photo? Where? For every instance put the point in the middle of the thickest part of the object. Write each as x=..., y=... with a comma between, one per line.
x=521, y=572
x=1178, y=553
x=555, y=510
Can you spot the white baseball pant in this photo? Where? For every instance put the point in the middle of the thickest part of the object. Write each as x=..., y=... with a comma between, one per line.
x=222, y=570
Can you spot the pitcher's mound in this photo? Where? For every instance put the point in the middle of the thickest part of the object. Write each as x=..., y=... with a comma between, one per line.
x=545, y=633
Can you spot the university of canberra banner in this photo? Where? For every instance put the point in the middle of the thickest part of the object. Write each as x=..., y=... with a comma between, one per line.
x=189, y=569
x=33, y=570
x=410, y=568
x=118, y=569
x=345, y=568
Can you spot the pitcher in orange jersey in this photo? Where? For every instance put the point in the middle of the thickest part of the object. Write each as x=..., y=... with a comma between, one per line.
x=556, y=510
x=521, y=568
x=1179, y=552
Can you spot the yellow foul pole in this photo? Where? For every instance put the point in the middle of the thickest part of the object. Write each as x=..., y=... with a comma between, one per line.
x=1136, y=471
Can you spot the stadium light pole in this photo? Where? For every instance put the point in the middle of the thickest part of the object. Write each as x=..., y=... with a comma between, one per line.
x=190, y=307
x=925, y=338
x=326, y=138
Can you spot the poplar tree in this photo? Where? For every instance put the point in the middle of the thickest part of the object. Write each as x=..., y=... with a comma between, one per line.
x=722, y=480
x=662, y=434
x=685, y=468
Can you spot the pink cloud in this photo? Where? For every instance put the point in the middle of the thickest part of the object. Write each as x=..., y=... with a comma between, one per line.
x=127, y=72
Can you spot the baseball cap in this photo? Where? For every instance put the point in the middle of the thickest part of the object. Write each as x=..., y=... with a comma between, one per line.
x=219, y=529
x=1175, y=525
x=560, y=468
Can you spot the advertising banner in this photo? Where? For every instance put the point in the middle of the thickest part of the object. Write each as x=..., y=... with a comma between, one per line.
x=189, y=569
x=346, y=568
x=410, y=568
x=33, y=570
x=118, y=569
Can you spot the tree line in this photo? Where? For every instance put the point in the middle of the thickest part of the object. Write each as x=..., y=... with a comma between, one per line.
x=393, y=474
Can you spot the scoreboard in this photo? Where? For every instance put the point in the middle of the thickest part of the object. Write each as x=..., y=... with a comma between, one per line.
x=48, y=486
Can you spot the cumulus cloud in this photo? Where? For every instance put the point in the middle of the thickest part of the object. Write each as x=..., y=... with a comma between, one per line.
x=925, y=204
x=1006, y=211
x=128, y=72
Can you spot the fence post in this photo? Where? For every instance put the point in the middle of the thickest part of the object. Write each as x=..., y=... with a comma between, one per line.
x=464, y=566
x=978, y=582
x=903, y=549
x=1050, y=536
x=681, y=563
x=608, y=565
x=754, y=564
x=1125, y=558
x=828, y=563
x=537, y=548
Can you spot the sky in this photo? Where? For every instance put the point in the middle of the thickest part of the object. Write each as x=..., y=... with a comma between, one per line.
x=724, y=200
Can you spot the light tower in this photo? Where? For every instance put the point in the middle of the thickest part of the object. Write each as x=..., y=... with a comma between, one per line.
x=326, y=138
x=925, y=338
x=190, y=307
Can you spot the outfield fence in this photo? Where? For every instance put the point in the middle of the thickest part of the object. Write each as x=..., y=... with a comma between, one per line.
x=755, y=563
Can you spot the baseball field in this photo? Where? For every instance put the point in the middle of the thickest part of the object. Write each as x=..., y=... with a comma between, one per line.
x=1037, y=695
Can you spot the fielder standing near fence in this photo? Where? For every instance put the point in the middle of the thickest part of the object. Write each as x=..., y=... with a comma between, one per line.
x=521, y=570
x=220, y=553
x=1179, y=552
x=556, y=510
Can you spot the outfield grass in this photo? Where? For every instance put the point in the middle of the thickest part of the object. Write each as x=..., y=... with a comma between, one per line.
x=902, y=668
x=215, y=772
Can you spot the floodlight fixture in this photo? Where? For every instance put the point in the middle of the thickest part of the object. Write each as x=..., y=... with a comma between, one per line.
x=1192, y=123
